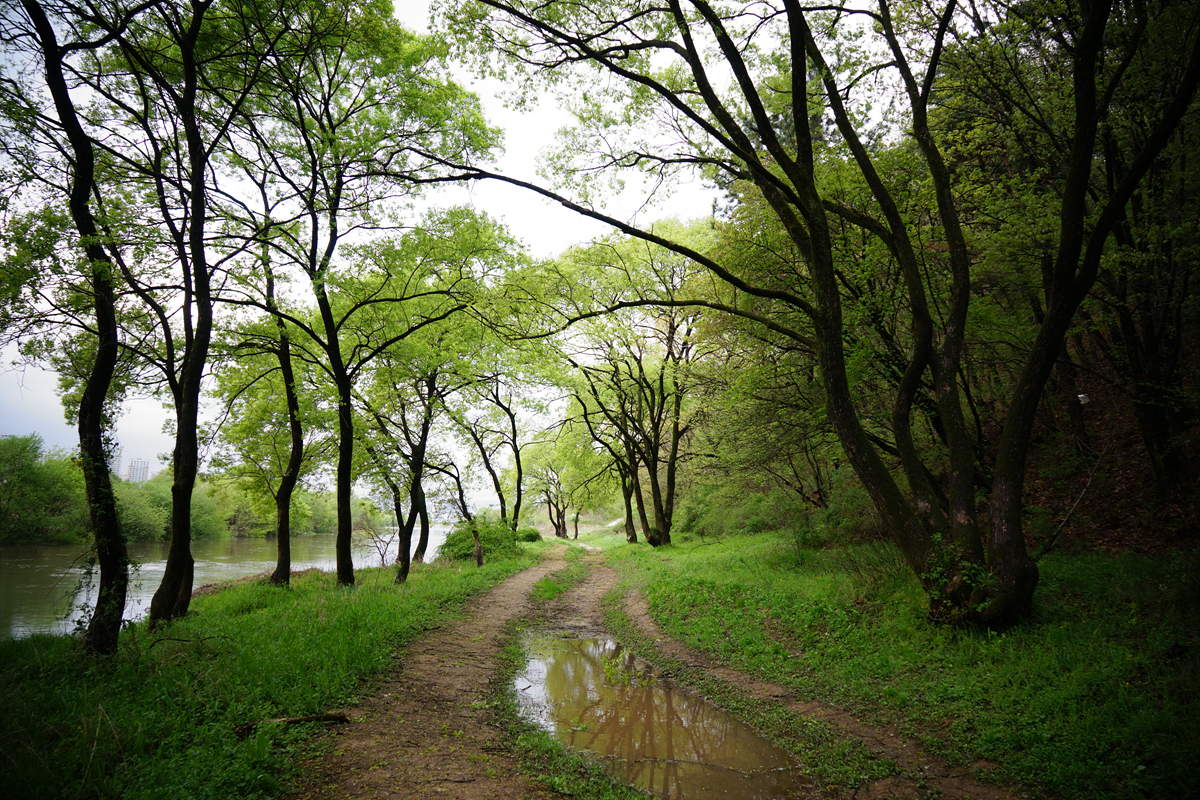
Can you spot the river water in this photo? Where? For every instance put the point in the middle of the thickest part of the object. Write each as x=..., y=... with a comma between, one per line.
x=43, y=586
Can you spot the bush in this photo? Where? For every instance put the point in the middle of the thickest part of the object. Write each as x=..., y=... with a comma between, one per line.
x=851, y=515
x=141, y=519
x=528, y=535
x=497, y=538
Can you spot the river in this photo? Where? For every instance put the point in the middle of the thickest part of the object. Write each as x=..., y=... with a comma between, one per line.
x=42, y=586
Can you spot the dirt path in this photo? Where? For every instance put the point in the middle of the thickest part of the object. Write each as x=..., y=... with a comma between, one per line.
x=424, y=735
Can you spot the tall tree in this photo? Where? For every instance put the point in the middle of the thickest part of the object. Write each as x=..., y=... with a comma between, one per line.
x=342, y=142
x=487, y=416
x=267, y=444
x=738, y=88
x=37, y=35
x=1005, y=139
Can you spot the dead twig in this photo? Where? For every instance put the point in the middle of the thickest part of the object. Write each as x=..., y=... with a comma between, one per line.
x=246, y=728
x=1049, y=545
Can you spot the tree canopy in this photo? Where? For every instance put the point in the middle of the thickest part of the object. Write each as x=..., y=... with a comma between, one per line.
x=939, y=224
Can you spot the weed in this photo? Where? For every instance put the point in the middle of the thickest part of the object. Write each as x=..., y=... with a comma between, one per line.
x=159, y=718
x=1095, y=696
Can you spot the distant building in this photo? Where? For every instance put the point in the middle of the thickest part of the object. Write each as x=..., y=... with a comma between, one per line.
x=138, y=471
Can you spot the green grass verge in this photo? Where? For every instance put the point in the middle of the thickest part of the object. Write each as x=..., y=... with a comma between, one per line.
x=831, y=757
x=157, y=720
x=1096, y=696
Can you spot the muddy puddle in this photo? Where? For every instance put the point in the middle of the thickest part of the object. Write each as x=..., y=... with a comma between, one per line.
x=597, y=697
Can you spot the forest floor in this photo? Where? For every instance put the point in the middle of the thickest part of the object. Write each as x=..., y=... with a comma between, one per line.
x=427, y=730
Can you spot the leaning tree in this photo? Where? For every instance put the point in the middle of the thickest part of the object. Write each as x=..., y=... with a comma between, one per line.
x=742, y=93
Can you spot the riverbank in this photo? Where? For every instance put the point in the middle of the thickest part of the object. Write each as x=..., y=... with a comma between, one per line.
x=45, y=588
x=167, y=716
x=826, y=651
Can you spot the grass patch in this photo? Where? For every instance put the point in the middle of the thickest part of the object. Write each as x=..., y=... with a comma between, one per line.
x=547, y=589
x=831, y=757
x=550, y=587
x=1096, y=696
x=157, y=720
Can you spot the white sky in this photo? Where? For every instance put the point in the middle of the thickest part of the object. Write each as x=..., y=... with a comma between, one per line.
x=28, y=397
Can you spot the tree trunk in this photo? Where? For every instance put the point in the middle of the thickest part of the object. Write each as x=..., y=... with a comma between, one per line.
x=345, y=477
x=174, y=595
x=404, y=548
x=631, y=536
x=417, y=499
x=513, y=442
x=635, y=483
x=423, y=516
x=111, y=554
x=291, y=474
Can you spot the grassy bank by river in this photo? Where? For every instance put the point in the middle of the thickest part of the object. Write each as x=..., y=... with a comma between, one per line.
x=1097, y=696
x=160, y=719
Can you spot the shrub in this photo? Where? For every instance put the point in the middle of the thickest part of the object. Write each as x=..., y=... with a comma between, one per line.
x=528, y=534
x=496, y=537
x=851, y=515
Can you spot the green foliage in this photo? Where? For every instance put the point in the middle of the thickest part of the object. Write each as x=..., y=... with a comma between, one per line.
x=208, y=519
x=1094, y=697
x=42, y=495
x=850, y=514
x=157, y=720
x=495, y=536
x=141, y=519
x=63, y=507
x=715, y=510
x=321, y=510
x=527, y=534
x=219, y=509
x=243, y=511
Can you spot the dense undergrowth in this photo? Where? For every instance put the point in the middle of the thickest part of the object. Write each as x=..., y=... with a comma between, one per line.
x=158, y=720
x=1096, y=696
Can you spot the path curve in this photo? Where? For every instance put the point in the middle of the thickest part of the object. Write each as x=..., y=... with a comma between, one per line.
x=424, y=733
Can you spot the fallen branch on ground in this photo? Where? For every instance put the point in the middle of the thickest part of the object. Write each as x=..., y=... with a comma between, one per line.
x=246, y=728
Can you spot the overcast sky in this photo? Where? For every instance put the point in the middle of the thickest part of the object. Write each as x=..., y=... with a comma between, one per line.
x=28, y=397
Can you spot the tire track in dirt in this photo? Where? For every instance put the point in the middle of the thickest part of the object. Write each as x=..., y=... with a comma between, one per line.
x=423, y=733
x=925, y=772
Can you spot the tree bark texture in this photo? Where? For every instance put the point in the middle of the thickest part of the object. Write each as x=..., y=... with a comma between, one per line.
x=111, y=553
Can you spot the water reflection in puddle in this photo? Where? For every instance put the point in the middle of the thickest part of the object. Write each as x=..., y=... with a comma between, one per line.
x=597, y=697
